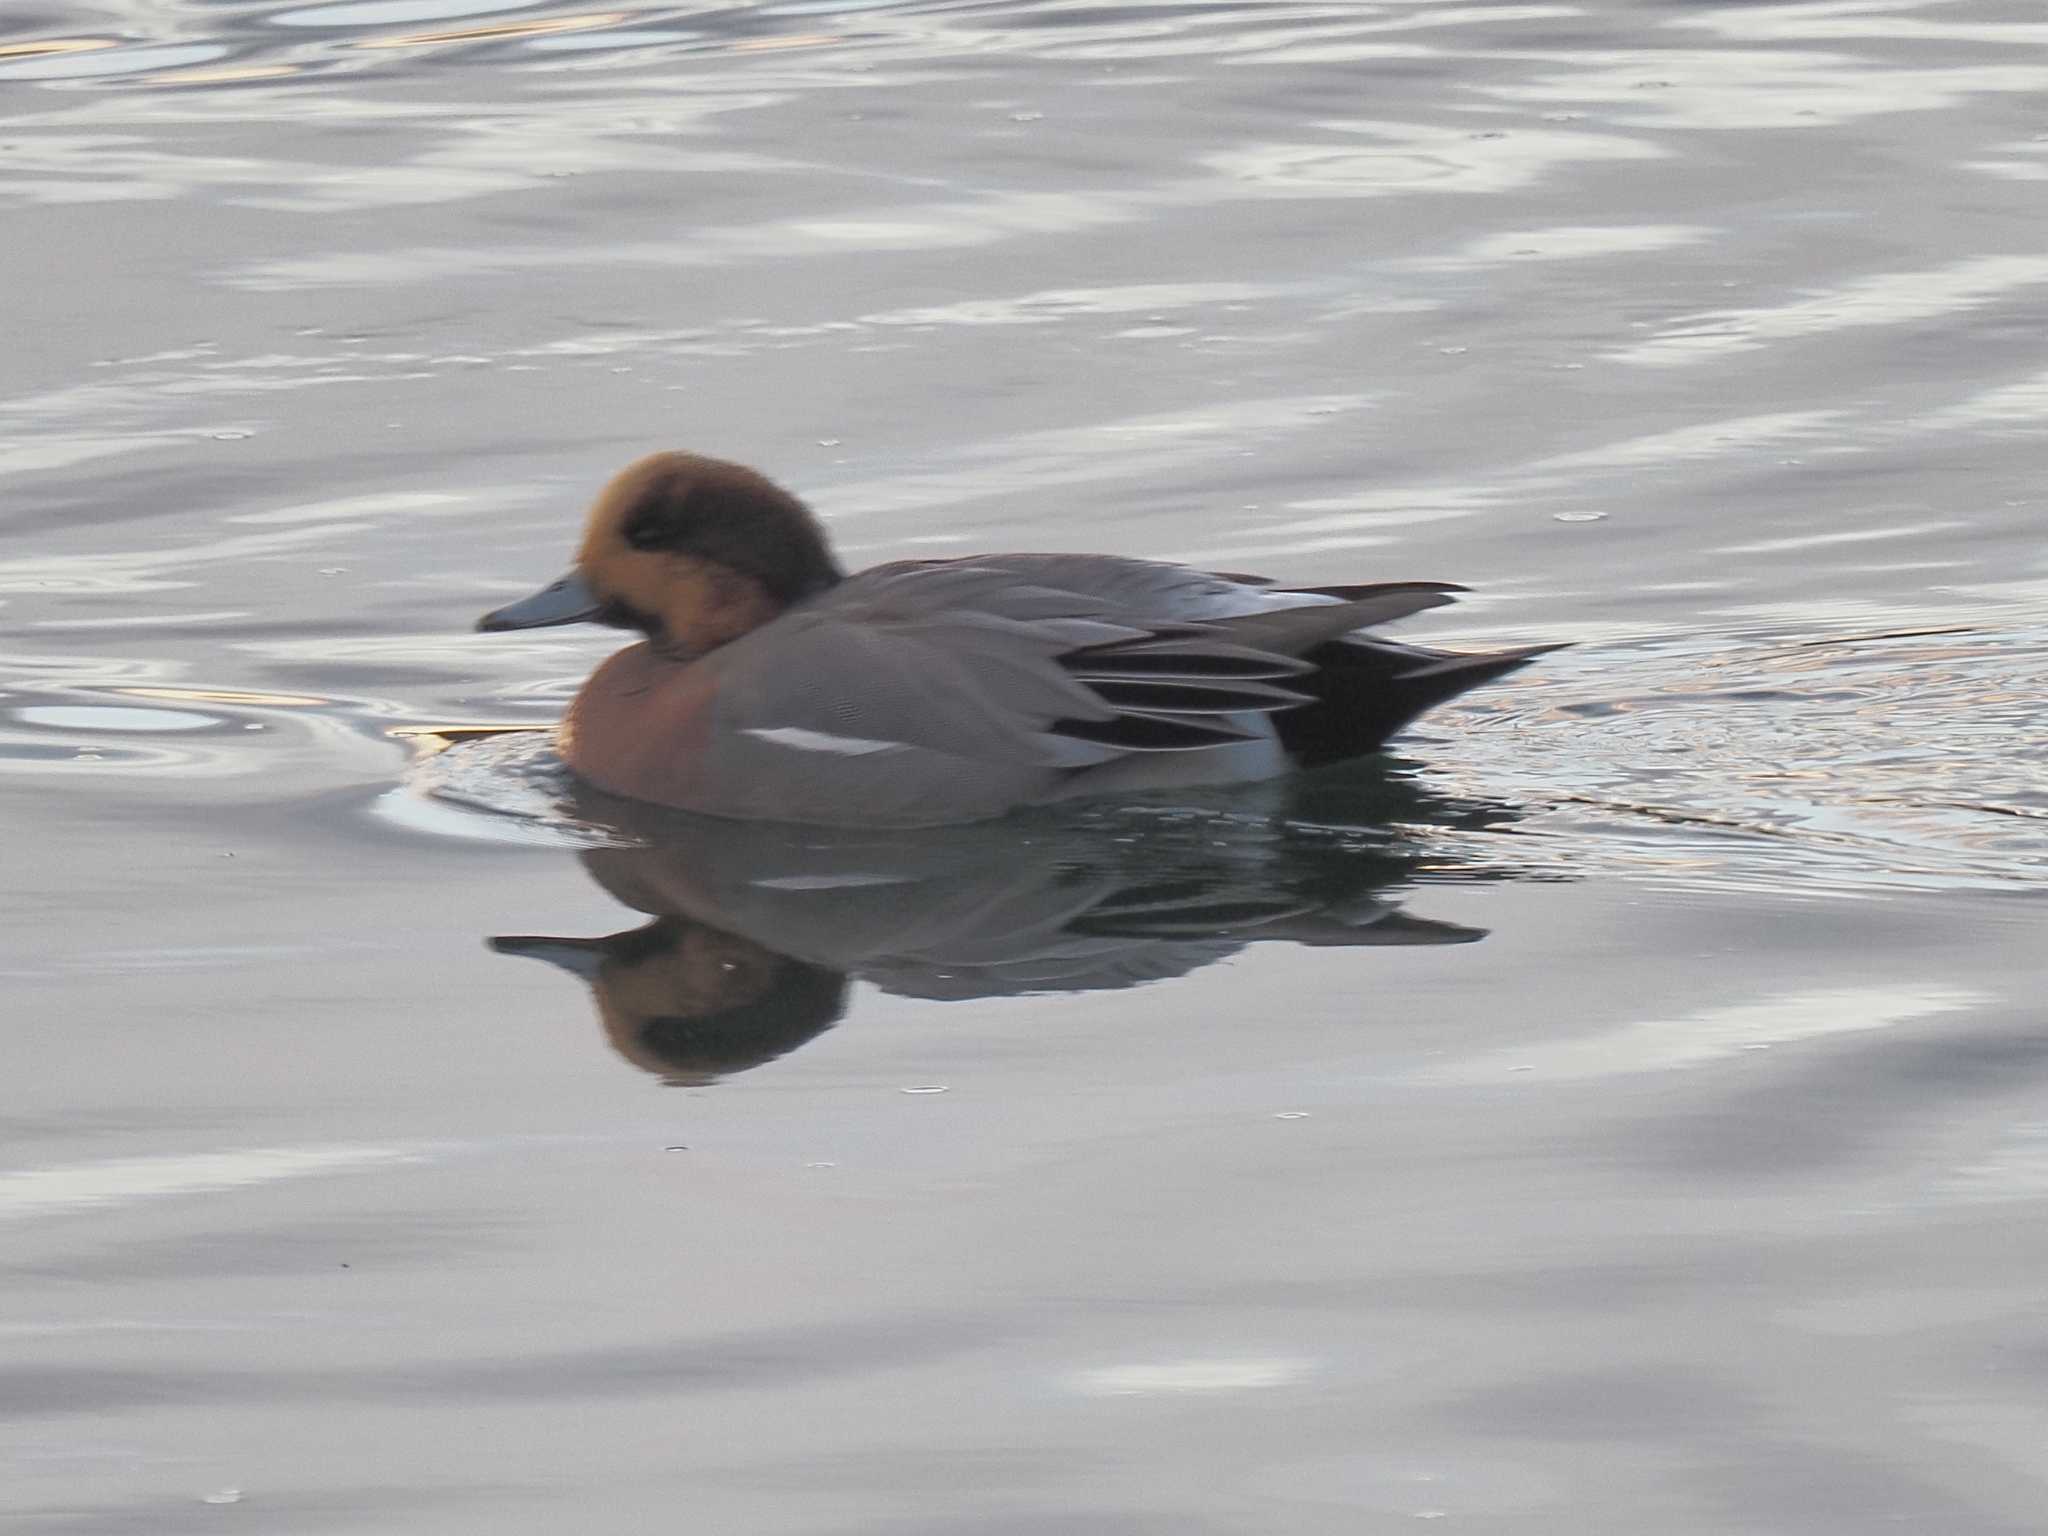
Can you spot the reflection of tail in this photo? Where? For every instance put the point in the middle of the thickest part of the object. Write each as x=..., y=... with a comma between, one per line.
x=1193, y=910
x=1366, y=690
x=1391, y=926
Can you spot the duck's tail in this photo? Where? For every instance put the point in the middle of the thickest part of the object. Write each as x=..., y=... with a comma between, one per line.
x=1363, y=691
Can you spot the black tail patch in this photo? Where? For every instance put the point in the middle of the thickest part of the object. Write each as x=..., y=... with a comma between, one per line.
x=1363, y=693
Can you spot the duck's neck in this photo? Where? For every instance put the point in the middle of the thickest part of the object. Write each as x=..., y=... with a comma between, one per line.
x=808, y=570
x=706, y=605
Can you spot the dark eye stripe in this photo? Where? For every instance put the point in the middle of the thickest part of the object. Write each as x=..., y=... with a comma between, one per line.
x=620, y=615
x=647, y=533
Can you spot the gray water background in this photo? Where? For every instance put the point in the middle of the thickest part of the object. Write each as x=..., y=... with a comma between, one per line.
x=1702, y=1195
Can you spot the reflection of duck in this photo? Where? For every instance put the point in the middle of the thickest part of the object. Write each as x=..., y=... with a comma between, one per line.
x=774, y=686
x=757, y=929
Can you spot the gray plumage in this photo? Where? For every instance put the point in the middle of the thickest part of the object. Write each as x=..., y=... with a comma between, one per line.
x=933, y=691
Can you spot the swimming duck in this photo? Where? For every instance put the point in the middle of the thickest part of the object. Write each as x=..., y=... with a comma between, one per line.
x=772, y=685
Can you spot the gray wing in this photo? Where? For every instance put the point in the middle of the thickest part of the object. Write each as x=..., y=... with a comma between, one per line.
x=940, y=691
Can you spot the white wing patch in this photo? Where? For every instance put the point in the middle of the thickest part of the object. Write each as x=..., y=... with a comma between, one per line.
x=826, y=882
x=819, y=741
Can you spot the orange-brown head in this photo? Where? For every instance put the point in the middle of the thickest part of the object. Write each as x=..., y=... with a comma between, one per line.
x=692, y=551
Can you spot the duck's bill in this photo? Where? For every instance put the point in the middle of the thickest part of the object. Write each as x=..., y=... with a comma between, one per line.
x=567, y=601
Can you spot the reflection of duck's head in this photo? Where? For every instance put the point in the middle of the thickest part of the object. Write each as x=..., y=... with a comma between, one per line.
x=689, y=1003
x=691, y=551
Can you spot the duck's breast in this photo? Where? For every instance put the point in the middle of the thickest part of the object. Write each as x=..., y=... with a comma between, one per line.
x=641, y=726
x=708, y=736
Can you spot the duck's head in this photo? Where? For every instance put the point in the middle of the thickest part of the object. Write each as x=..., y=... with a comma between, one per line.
x=691, y=551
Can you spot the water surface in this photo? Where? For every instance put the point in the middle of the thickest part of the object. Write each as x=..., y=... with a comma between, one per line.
x=1621, y=1112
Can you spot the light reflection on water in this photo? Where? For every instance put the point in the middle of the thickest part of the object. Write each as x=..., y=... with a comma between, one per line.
x=38, y=1192
x=1662, y=1045
x=1696, y=1197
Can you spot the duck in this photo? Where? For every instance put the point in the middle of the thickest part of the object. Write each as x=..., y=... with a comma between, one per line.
x=770, y=684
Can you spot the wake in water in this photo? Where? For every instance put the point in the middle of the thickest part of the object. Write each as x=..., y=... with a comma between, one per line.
x=1836, y=764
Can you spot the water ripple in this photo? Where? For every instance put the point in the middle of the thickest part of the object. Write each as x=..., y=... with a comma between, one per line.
x=1843, y=764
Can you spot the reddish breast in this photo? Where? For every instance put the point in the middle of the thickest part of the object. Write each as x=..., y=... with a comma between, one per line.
x=640, y=726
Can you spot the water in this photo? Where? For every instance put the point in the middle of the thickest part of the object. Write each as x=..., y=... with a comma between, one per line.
x=1621, y=1113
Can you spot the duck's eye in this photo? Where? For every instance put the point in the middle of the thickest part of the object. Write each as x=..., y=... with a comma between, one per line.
x=648, y=533
x=657, y=523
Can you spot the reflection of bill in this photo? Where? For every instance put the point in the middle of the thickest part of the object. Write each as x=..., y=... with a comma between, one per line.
x=758, y=928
